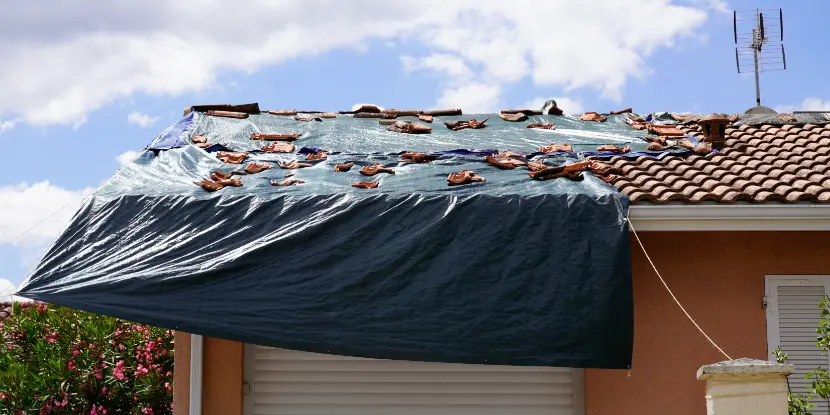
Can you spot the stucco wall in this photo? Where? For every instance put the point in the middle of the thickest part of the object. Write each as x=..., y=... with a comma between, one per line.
x=719, y=279
x=181, y=374
x=221, y=376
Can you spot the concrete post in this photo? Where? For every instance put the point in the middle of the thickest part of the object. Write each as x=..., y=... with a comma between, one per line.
x=746, y=386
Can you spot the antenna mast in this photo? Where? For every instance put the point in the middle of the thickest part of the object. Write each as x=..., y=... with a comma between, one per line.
x=759, y=36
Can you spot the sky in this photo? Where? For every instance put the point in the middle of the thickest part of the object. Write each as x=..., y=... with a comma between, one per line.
x=87, y=84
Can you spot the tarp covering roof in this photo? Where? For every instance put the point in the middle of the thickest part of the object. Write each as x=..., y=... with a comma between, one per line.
x=364, y=141
x=511, y=271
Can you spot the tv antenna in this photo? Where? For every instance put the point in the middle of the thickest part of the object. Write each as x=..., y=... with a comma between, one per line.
x=759, y=35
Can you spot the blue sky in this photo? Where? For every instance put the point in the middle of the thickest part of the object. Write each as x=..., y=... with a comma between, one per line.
x=69, y=95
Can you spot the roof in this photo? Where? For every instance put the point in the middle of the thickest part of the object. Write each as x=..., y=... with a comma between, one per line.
x=363, y=141
x=760, y=163
x=766, y=158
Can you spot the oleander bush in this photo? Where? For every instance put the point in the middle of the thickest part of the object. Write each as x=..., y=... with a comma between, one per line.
x=56, y=360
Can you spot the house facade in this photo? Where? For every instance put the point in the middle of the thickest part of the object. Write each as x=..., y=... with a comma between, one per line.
x=722, y=278
x=740, y=237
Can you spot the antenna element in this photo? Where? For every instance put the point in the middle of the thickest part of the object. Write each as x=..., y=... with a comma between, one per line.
x=759, y=36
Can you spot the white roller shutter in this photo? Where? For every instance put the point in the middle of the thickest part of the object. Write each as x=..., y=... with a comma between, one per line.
x=288, y=382
x=792, y=319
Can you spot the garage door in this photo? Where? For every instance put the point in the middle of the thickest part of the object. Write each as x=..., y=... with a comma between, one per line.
x=288, y=382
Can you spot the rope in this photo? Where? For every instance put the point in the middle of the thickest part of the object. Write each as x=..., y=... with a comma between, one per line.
x=37, y=224
x=634, y=231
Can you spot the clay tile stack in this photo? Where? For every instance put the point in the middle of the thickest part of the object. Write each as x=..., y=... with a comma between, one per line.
x=758, y=164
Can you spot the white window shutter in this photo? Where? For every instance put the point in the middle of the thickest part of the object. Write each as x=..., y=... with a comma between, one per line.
x=792, y=318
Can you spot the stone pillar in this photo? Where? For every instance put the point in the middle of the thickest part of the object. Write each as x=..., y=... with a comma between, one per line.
x=746, y=386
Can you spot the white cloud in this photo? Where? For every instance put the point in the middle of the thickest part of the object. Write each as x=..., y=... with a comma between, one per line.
x=126, y=157
x=41, y=206
x=150, y=50
x=809, y=104
x=568, y=105
x=140, y=119
x=718, y=6
x=442, y=63
x=7, y=289
x=7, y=125
x=471, y=98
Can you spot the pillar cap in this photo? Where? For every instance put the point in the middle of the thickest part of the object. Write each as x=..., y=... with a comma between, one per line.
x=743, y=366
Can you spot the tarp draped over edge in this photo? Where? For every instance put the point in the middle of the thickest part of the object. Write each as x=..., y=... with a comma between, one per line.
x=517, y=280
x=511, y=271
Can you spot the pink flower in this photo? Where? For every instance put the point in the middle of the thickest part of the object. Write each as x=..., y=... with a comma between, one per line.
x=104, y=390
x=118, y=371
x=71, y=365
x=147, y=410
x=140, y=370
x=2, y=396
x=75, y=352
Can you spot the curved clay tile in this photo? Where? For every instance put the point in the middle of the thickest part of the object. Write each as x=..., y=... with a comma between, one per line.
x=703, y=196
x=721, y=190
x=765, y=196
x=671, y=197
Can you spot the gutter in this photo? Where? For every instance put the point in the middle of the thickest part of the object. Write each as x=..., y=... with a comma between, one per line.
x=744, y=217
x=196, y=362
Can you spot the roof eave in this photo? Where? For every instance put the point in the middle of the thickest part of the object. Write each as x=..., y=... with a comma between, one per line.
x=768, y=217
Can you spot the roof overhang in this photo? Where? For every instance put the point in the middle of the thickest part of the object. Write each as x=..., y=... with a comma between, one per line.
x=730, y=217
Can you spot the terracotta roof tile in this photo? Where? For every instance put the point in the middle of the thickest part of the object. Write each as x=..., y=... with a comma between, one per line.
x=762, y=164
x=5, y=311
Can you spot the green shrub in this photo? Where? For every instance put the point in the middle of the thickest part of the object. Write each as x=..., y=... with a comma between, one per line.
x=56, y=360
